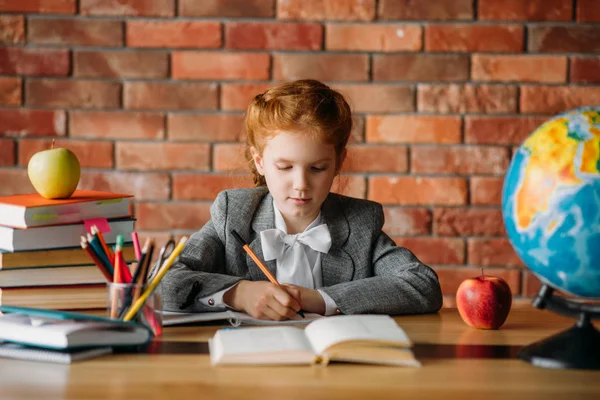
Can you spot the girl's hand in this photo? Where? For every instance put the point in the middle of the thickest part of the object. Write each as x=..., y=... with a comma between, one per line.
x=263, y=300
x=310, y=299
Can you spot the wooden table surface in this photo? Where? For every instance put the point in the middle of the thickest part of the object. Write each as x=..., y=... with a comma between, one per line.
x=179, y=376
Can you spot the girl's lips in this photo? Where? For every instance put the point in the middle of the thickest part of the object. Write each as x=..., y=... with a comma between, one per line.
x=299, y=201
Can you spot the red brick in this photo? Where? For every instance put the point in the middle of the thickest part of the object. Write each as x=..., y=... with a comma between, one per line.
x=471, y=38
x=374, y=37
x=212, y=65
x=205, y=127
x=91, y=154
x=116, y=125
x=227, y=8
x=229, y=157
x=429, y=10
x=519, y=68
x=206, y=187
x=350, y=185
x=174, y=34
x=179, y=215
x=376, y=159
x=7, y=152
x=451, y=278
x=237, y=96
x=274, y=36
x=34, y=61
x=22, y=122
x=39, y=6
x=459, y=160
x=81, y=32
x=120, y=64
x=325, y=67
x=12, y=29
x=500, y=130
x=143, y=185
x=468, y=222
x=411, y=190
x=531, y=284
x=72, y=93
x=556, y=99
x=413, y=129
x=343, y=10
x=145, y=156
x=530, y=10
x=585, y=69
x=407, y=221
x=467, y=98
x=486, y=191
x=358, y=130
x=378, y=98
x=487, y=252
x=447, y=250
x=564, y=38
x=170, y=95
x=10, y=91
x=420, y=67
x=14, y=181
x=129, y=8
x=588, y=11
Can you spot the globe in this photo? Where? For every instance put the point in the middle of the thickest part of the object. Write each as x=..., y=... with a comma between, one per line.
x=551, y=202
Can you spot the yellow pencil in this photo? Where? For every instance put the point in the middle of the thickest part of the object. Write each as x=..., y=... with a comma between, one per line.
x=154, y=283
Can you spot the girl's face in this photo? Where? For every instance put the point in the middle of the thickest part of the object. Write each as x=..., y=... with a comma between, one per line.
x=299, y=172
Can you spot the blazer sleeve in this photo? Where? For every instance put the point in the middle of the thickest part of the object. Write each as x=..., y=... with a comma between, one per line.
x=200, y=270
x=400, y=283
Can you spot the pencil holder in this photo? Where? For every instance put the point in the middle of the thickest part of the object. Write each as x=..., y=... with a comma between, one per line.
x=121, y=296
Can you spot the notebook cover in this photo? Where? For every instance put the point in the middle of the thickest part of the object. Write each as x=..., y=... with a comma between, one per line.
x=80, y=196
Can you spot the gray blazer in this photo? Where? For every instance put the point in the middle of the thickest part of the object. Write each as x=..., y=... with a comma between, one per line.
x=364, y=271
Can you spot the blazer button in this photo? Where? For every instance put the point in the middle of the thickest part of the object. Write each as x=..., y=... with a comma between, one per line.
x=211, y=302
x=338, y=311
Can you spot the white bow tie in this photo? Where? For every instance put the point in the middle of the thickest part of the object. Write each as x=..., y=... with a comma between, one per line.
x=292, y=262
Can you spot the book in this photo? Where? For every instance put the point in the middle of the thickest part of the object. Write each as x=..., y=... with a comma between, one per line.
x=235, y=318
x=29, y=210
x=53, y=257
x=29, y=353
x=67, y=330
x=371, y=339
x=27, y=277
x=73, y=297
x=48, y=237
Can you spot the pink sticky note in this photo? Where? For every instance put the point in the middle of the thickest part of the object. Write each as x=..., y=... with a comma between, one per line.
x=101, y=223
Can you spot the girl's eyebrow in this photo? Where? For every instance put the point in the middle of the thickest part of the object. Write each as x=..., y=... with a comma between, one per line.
x=312, y=162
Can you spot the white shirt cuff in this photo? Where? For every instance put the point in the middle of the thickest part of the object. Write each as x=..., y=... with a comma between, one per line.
x=330, y=306
x=216, y=299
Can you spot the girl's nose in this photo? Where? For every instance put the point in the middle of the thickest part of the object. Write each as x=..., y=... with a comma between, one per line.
x=300, y=181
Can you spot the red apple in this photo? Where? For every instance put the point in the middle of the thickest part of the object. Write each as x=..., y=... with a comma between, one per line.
x=484, y=301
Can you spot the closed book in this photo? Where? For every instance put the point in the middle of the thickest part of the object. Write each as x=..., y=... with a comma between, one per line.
x=74, y=297
x=26, y=277
x=369, y=339
x=48, y=237
x=67, y=330
x=70, y=256
x=30, y=210
x=30, y=353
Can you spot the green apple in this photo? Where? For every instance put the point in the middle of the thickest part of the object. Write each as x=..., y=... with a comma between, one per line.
x=54, y=173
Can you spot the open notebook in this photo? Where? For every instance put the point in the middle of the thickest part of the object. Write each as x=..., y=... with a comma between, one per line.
x=235, y=318
x=371, y=339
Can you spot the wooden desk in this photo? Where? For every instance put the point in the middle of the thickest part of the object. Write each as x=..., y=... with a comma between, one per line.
x=178, y=376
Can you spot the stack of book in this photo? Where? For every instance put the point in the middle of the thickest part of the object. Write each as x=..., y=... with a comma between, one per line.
x=42, y=263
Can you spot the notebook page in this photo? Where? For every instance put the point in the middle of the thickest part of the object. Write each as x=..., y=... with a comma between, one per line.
x=262, y=340
x=324, y=333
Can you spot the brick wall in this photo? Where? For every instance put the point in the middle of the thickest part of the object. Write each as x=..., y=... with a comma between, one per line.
x=150, y=94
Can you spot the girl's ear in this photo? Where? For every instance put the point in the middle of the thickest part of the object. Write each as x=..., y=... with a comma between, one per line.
x=258, y=160
x=341, y=162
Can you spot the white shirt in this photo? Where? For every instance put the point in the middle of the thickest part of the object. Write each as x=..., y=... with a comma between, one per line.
x=284, y=274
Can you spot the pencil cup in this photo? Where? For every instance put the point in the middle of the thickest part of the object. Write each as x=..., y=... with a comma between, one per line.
x=121, y=296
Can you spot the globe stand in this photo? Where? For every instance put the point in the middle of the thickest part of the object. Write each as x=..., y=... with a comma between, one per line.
x=575, y=348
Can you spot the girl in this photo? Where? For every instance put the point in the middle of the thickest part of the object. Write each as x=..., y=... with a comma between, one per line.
x=327, y=250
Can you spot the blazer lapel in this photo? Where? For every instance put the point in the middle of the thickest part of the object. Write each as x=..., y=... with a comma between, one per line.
x=264, y=218
x=336, y=265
